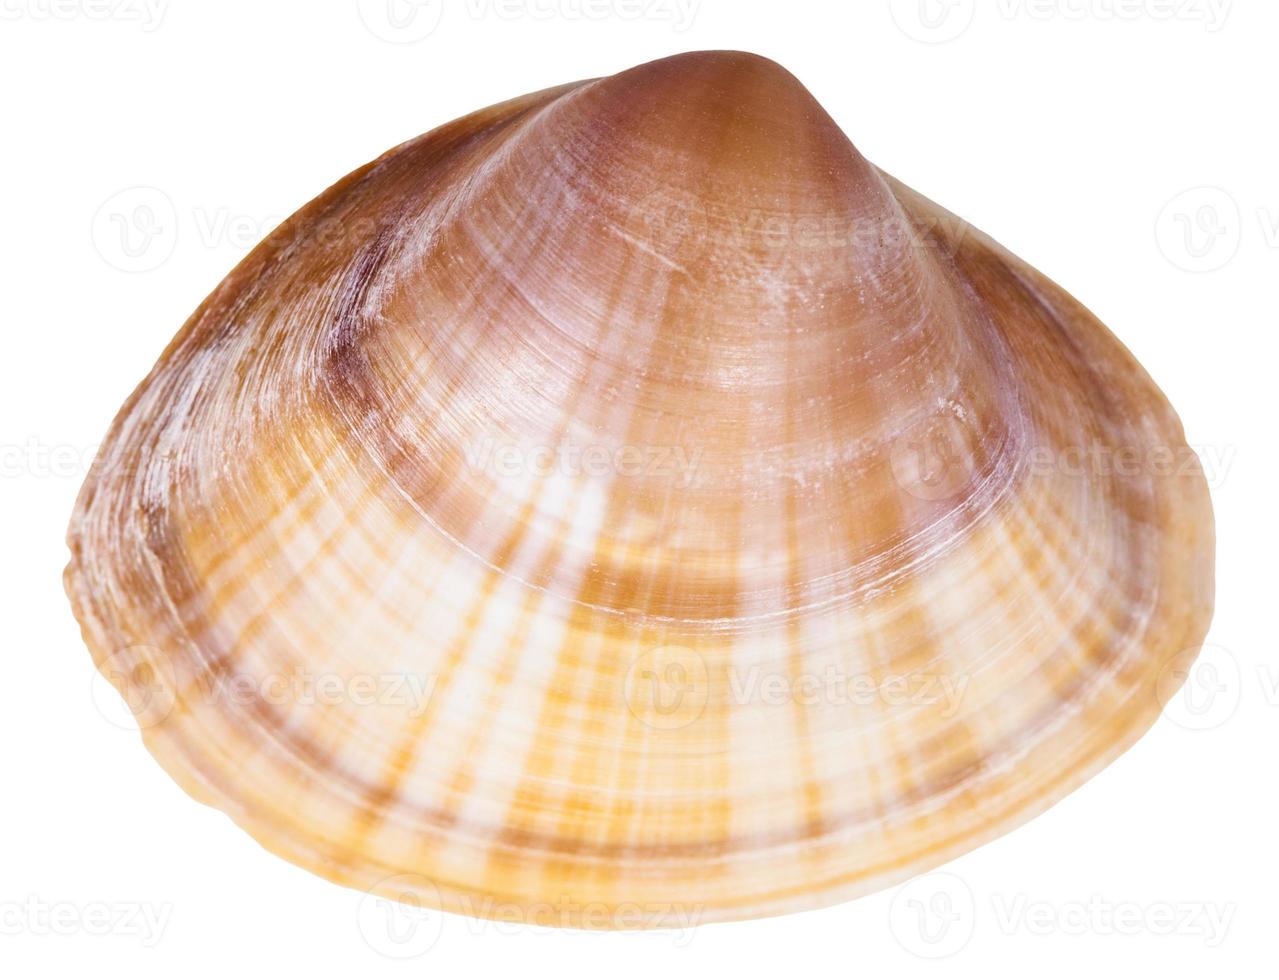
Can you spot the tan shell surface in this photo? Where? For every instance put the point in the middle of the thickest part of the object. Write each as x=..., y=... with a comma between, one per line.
x=627, y=501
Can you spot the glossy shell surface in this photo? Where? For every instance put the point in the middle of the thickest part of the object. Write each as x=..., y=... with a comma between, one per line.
x=627, y=498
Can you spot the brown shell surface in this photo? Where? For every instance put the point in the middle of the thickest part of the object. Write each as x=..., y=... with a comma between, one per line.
x=627, y=502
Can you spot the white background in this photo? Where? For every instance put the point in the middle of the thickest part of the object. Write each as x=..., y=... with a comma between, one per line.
x=1129, y=148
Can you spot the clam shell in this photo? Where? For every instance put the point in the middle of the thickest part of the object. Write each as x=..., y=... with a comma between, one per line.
x=627, y=501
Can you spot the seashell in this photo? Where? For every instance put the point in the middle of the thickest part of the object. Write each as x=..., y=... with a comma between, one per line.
x=626, y=502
